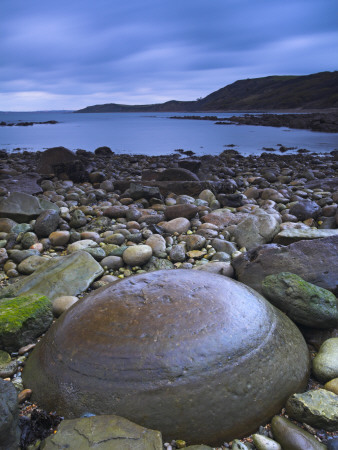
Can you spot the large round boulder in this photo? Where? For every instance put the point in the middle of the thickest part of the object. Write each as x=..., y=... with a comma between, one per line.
x=195, y=355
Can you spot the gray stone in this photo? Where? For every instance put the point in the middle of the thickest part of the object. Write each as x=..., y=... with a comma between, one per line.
x=220, y=267
x=46, y=223
x=177, y=253
x=256, y=229
x=112, y=262
x=265, y=443
x=318, y=408
x=305, y=209
x=194, y=241
x=61, y=304
x=303, y=302
x=22, y=319
x=103, y=433
x=9, y=416
x=78, y=219
x=315, y=261
x=20, y=255
x=66, y=275
x=325, y=364
x=23, y=207
x=30, y=264
x=81, y=245
x=137, y=255
x=221, y=245
x=96, y=252
x=291, y=235
x=102, y=355
x=179, y=225
x=155, y=263
x=158, y=244
x=292, y=437
x=137, y=191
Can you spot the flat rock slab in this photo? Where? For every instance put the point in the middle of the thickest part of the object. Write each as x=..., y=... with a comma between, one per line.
x=26, y=183
x=180, y=351
x=287, y=237
x=23, y=207
x=67, y=275
x=314, y=260
x=103, y=433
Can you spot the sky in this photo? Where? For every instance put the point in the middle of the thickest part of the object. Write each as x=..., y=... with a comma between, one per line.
x=68, y=54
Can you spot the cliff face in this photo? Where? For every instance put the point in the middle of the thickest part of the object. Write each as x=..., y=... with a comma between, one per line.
x=316, y=91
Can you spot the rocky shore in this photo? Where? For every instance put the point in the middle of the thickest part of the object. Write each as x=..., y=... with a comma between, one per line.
x=26, y=124
x=125, y=268
x=319, y=121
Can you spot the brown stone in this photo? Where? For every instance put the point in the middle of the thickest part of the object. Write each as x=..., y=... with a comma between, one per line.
x=181, y=351
x=186, y=210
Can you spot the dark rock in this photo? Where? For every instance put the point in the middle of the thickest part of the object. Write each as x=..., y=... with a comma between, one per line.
x=25, y=182
x=137, y=191
x=23, y=207
x=233, y=200
x=292, y=437
x=192, y=165
x=9, y=416
x=116, y=212
x=186, y=210
x=46, y=223
x=60, y=160
x=315, y=261
x=177, y=174
x=103, y=355
x=103, y=151
x=305, y=209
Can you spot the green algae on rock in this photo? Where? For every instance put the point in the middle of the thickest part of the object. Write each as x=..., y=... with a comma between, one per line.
x=303, y=302
x=192, y=354
x=23, y=319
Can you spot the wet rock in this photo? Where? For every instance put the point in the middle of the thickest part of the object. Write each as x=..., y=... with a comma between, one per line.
x=222, y=268
x=177, y=253
x=187, y=210
x=292, y=437
x=155, y=263
x=103, y=151
x=22, y=207
x=305, y=209
x=315, y=261
x=318, y=408
x=77, y=219
x=257, y=229
x=6, y=225
x=103, y=433
x=224, y=218
x=22, y=319
x=9, y=416
x=116, y=212
x=325, y=364
x=332, y=386
x=194, y=241
x=177, y=174
x=179, y=225
x=20, y=255
x=213, y=316
x=137, y=191
x=30, y=264
x=59, y=238
x=303, y=302
x=66, y=275
x=264, y=443
x=112, y=262
x=221, y=245
x=158, y=244
x=137, y=255
x=288, y=236
x=59, y=161
x=61, y=304
x=81, y=245
x=46, y=223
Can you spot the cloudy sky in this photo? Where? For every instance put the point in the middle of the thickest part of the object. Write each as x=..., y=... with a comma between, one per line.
x=68, y=54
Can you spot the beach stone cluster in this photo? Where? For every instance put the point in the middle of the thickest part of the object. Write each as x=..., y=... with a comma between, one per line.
x=269, y=221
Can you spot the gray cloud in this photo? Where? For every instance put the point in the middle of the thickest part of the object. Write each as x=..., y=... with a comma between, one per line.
x=74, y=53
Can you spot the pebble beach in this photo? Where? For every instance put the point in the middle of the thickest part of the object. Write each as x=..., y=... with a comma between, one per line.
x=72, y=223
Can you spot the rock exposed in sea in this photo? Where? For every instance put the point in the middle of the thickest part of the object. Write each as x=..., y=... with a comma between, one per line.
x=189, y=353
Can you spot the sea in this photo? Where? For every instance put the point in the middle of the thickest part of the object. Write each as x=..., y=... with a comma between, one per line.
x=152, y=134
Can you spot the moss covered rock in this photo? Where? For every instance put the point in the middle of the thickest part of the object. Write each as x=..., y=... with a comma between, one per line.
x=303, y=302
x=23, y=319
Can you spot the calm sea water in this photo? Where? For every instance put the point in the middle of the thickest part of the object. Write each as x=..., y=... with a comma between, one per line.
x=151, y=134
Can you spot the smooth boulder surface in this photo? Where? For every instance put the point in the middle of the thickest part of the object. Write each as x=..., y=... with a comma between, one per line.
x=314, y=260
x=303, y=302
x=325, y=364
x=103, y=433
x=180, y=351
